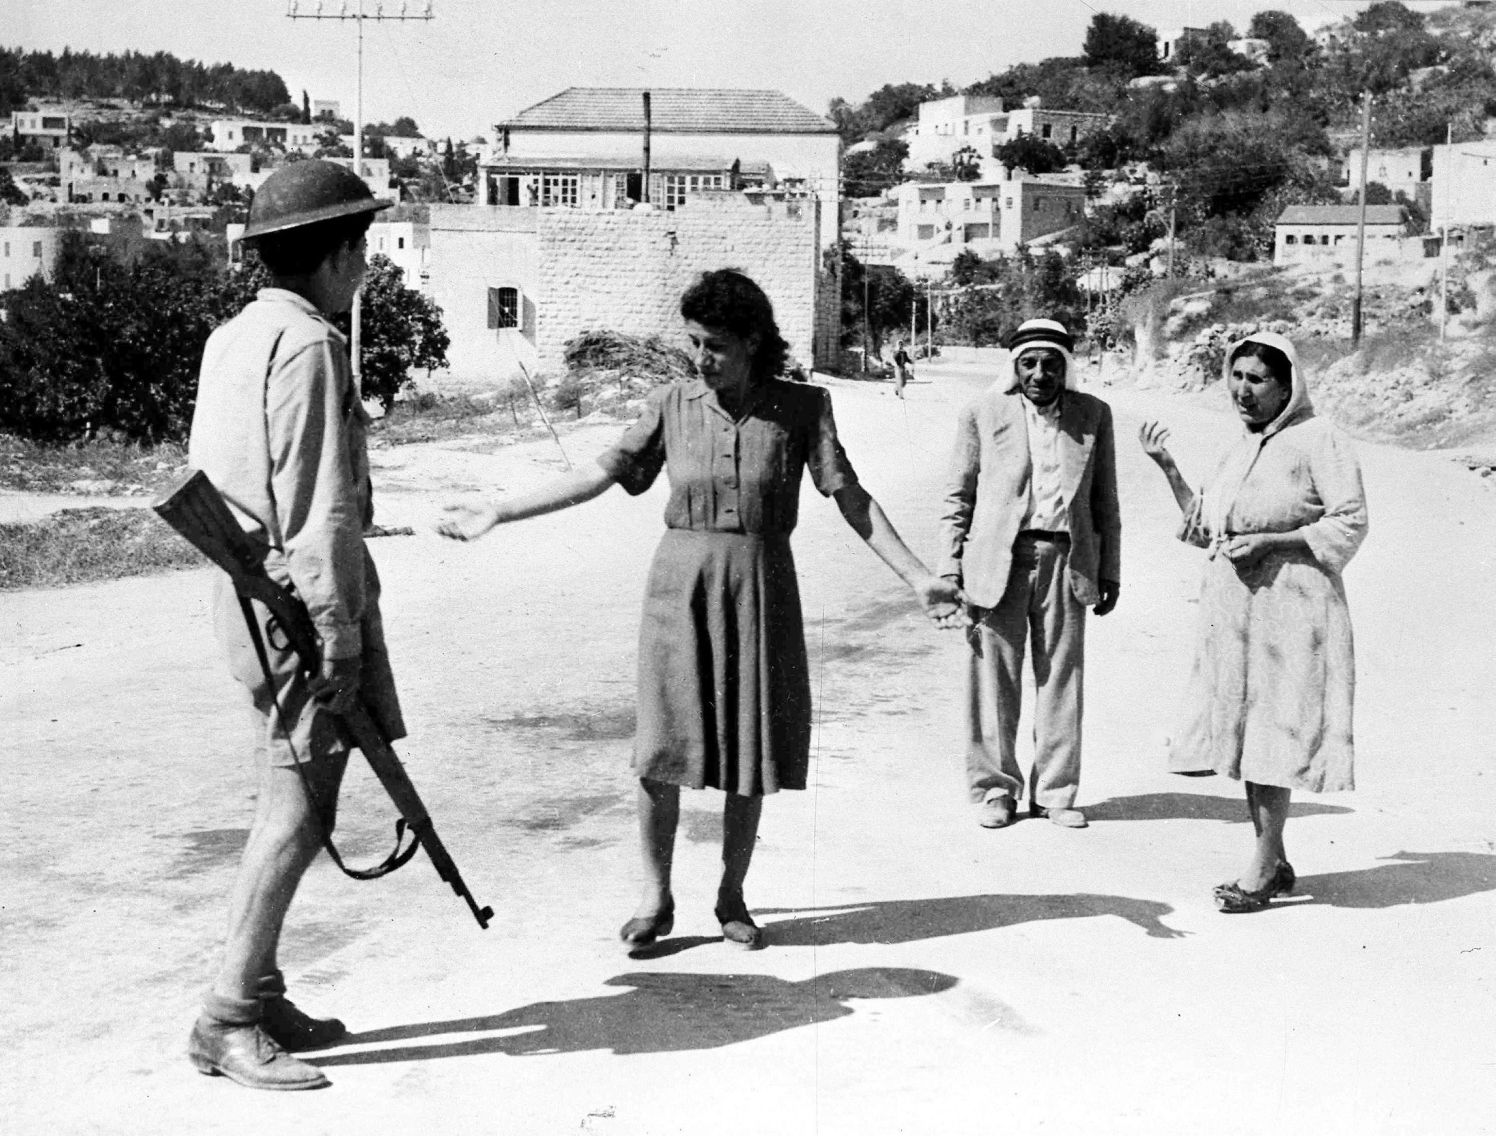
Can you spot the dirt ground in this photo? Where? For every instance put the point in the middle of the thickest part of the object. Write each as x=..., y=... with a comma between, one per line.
x=925, y=975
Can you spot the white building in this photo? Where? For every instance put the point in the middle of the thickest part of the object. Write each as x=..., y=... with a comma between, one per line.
x=231, y=133
x=1401, y=169
x=1464, y=184
x=26, y=251
x=406, y=243
x=1328, y=232
x=998, y=216
x=376, y=175
x=945, y=126
x=979, y=123
x=585, y=148
x=50, y=129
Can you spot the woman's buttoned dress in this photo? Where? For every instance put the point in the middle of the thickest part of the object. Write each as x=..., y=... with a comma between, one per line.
x=724, y=684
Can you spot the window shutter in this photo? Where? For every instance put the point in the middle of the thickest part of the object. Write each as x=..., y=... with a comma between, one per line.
x=527, y=317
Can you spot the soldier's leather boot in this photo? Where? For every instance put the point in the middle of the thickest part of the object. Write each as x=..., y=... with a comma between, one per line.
x=227, y=1041
x=290, y=1026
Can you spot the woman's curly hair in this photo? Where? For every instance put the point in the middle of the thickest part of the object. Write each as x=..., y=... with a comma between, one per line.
x=728, y=300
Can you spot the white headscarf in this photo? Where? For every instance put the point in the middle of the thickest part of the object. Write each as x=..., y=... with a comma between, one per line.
x=1227, y=483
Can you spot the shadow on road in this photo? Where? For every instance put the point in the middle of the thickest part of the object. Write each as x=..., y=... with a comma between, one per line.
x=1409, y=877
x=660, y=1013
x=1193, y=806
x=910, y=920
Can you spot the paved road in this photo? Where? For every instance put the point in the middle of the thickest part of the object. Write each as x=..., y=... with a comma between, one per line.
x=926, y=975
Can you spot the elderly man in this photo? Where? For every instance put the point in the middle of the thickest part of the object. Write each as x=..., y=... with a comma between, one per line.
x=1032, y=534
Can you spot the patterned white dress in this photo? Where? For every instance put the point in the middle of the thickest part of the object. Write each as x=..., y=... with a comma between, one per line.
x=1271, y=691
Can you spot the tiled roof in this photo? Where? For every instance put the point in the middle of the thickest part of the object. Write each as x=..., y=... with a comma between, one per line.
x=1341, y=215
x=673, y=110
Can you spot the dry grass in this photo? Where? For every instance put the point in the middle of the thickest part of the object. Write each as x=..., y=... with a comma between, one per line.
x=80, y=546
x=97, y=467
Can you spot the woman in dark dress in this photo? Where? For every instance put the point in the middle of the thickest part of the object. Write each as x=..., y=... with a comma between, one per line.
x=724, y=683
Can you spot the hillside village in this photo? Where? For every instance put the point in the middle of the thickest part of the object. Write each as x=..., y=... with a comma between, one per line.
x=1158, y=189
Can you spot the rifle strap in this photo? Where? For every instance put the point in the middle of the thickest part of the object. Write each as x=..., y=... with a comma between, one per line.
x=397, y=858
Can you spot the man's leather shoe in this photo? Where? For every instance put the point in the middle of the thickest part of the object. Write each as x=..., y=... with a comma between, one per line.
x=243, y=1052
x=291, y=1028
x=1065, y=818
x=998, y=812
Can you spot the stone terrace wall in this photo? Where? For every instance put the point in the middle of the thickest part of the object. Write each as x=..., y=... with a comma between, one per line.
x=625, y=271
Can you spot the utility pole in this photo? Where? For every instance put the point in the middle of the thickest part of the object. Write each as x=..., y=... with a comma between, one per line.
x=1444, y=238
x=866, y=317
x=929, y=318
x=1173, y=211
x=1361, y=223
x=358, y=16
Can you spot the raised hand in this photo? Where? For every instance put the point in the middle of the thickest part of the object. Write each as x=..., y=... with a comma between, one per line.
x=1155, y=437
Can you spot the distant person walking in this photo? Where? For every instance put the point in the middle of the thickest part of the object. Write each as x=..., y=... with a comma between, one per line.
x=1033, y=535
x=724, y=681
x=903, y=368
x=1271, y=691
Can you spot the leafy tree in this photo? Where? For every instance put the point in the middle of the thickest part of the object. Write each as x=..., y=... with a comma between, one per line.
x=1207, y=53
x=1123, y=43
x=1032, y=153
x=890, y=103
x=401, y=331
x=1287, y=41
x=181, y=136
x=1061, y=82
x=114, y=340
x=1013, y=290
x=868, y=173
x=109, y=342
x=1387, y=16
x=966, y=164
x=891, y=300
x=10, y=193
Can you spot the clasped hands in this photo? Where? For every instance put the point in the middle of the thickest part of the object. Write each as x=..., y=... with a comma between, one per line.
x=944, y=602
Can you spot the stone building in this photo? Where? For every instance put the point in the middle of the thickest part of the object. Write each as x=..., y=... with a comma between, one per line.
x=585, y=148
x=515, y=284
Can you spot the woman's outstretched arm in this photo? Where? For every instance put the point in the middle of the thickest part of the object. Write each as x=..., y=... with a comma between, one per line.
x=1154, y=438
x=942, y=599
x=471, y=519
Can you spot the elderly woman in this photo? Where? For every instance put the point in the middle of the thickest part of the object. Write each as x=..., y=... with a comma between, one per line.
x=724, y=684
x=1270, y=695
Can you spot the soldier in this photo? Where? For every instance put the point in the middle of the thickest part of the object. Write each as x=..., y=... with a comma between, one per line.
x=280, y=431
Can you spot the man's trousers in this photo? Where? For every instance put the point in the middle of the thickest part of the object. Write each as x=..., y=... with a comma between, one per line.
x=1039, y=607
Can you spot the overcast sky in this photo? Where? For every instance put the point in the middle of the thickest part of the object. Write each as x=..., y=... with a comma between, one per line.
x=479, y=61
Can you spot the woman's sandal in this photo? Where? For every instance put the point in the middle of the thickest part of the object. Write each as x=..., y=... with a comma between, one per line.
x=641, y=932
x=1233, y=899
x=738, y=927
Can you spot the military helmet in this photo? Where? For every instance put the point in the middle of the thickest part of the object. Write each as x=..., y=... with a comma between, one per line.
x=304, y=193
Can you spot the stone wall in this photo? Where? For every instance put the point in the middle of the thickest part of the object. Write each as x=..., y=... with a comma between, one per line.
x=625, y=271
